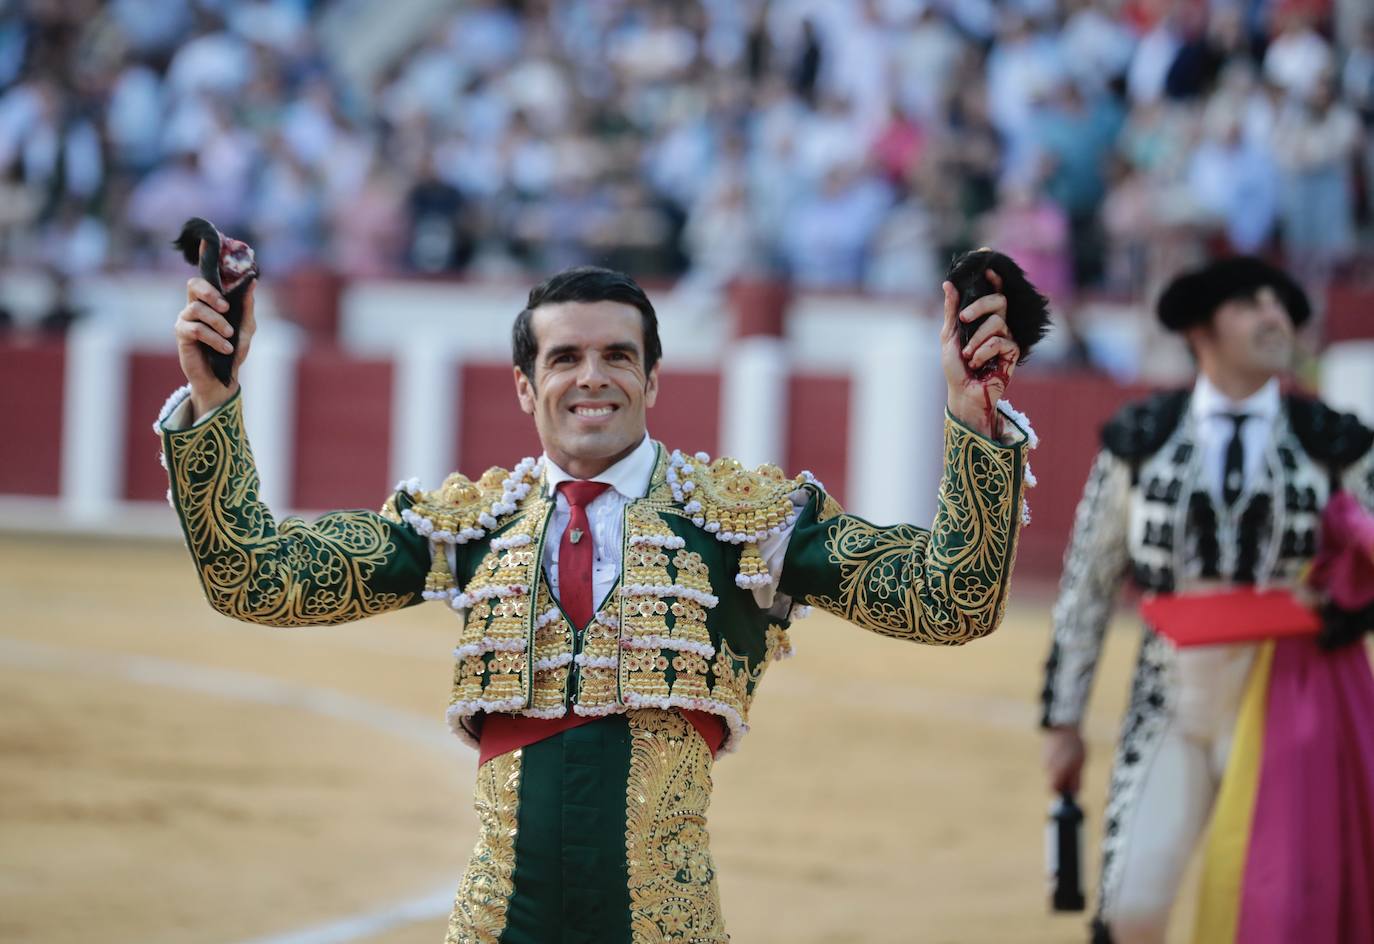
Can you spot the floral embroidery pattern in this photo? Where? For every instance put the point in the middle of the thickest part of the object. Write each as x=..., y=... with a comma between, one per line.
x=479, y=910
x=673, y=893
x=946, y=585
x=254, y=569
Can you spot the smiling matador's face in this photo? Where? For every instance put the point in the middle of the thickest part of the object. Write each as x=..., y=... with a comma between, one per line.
x=590, y=391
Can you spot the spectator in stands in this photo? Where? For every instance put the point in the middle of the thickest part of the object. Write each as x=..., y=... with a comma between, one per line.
x=1098, y=46
x=720, y=238
x=1073, y=137
x=163, y=200
x=62, y=312
x=902, y=256
x=369, y=233
x=1298, y=59
x=516, y=131
x=1315, y=141
x=1232, y=179
x=1034, y=229
x=827, y=236
x=1154, y=57
x=19, y=206
x=1357, y=84
x=437, y=240
x=926, y=55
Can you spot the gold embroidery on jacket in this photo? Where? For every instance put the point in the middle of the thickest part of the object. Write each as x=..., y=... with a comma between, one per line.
x=643, y=615
x=653, y=642
x=253, y=569
x=553, y=645
x=740, y=500
x=673, y=893
x=946, y=585
x=493, y=649
x=479, y=910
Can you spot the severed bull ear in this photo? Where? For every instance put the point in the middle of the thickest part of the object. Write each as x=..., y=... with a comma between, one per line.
x=1028, y=312
x=228, y=265
x=195, y=231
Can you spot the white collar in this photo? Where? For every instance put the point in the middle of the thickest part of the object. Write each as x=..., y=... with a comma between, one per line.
x=630, y=476
x=1208, y=401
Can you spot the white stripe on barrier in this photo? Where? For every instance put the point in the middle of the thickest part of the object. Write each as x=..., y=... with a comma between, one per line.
x=425, y=412
x=896, y=420
x=94, y=392
x=269, y=409
x=753, y=401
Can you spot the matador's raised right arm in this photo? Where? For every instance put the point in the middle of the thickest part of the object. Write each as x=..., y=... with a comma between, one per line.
x=345, y=566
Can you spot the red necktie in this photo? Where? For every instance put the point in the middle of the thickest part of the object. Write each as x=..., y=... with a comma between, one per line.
x=575, y=553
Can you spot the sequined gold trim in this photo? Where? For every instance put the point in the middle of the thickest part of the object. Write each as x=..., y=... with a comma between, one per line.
x=461, y=510
x=255, y=569
x=673, y=893
x=553, y=652
x=650, y=624
x=947, y=585
x=737, y=501
x=479, y=910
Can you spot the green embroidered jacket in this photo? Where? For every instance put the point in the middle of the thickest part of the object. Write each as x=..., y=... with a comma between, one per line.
x=683, y=627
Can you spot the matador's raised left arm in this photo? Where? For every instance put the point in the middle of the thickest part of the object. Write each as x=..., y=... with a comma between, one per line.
x=944, y=586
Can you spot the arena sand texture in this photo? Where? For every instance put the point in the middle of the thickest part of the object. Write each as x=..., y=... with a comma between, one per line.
x=169, y=775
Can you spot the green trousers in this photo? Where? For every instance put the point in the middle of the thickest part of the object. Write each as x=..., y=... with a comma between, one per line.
x=596, y=835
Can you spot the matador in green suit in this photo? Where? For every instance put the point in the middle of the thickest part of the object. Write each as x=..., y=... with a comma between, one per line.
x=620, y=600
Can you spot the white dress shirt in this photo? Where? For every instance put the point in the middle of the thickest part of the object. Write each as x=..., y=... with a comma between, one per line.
x=628, y=480
x=1209, y=407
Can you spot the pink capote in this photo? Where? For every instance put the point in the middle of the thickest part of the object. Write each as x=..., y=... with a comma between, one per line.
x=1309, y=871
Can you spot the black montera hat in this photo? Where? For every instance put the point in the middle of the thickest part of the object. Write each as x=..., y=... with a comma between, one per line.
x=1193, y=297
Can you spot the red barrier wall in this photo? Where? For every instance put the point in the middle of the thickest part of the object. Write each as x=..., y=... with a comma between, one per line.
x=31, y=420
x=1350, y=311
x=687, y=416
x=492, y=430
x=342, y=433
x=343, y=427
x=1068, y=411
x=152, y=377
x=818, y=429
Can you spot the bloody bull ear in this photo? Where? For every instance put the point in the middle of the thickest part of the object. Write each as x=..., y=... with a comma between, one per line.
x=228, y=265
x=1028, y=312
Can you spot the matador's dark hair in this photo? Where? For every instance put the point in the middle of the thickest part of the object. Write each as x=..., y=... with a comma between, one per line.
x=583, y=284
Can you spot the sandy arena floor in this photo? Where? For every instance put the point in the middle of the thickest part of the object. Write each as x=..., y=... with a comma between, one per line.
x=168, y=775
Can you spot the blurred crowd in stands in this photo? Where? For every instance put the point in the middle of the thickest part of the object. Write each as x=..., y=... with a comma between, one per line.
x=839, y=143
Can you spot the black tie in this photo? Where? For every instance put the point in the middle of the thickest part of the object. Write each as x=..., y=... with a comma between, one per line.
x=1233, y=474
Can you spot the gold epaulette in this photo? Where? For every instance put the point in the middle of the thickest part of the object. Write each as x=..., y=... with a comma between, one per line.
x=736, y=504
x=461, y=510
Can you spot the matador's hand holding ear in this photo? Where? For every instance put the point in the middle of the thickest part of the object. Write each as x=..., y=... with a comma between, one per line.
x=993, y=316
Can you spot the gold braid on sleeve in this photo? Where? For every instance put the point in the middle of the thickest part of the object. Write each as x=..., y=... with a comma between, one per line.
x=344, y=566
x=946, y=585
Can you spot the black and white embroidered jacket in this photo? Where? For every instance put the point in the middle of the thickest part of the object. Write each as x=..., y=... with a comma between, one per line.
x=1147, y=513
